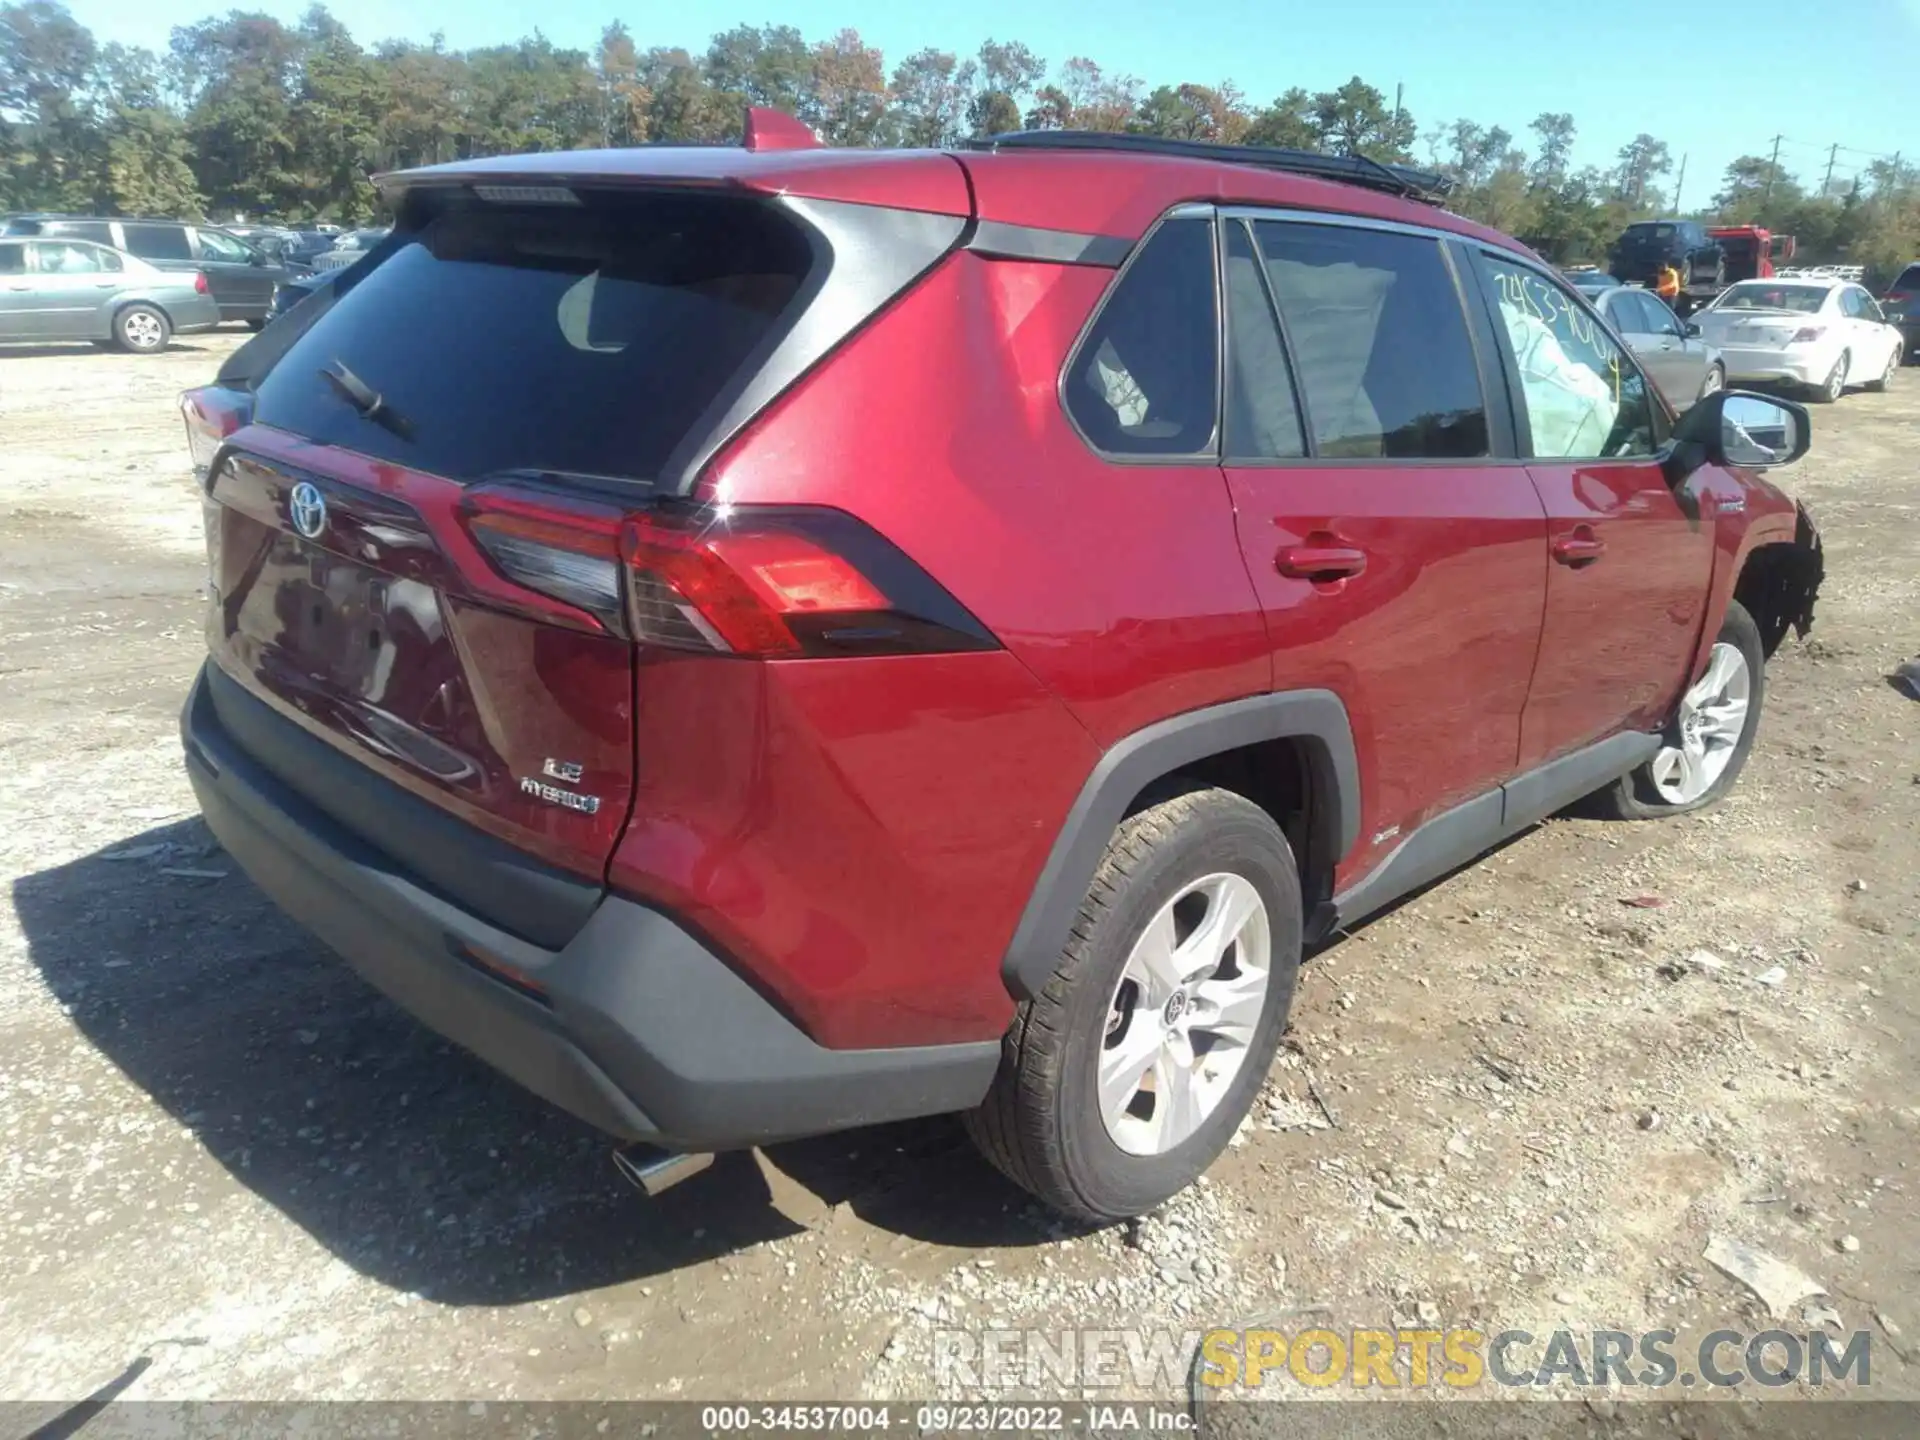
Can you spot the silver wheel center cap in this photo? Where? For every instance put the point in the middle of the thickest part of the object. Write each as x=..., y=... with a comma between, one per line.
x=1176, y=1007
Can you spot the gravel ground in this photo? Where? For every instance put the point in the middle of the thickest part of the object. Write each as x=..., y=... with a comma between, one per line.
x=1518, y=1100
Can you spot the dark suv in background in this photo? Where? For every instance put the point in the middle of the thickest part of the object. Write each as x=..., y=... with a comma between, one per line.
x=753, y=642
x=1646, y=245
x=1902, y=306
x=241, y=275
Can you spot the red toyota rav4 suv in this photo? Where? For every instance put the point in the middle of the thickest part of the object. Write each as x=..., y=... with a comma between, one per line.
x=758, y=641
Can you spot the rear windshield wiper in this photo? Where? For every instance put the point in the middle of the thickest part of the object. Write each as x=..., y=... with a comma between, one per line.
x=367, y=400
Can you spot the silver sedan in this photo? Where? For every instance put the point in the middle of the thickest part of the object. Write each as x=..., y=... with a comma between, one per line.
x=1683, y=365
x=77, y=290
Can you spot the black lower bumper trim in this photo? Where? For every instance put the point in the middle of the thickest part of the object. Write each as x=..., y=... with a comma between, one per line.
x=646, y=1034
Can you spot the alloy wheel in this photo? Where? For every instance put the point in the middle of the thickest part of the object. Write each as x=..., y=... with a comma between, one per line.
x=1837, y=382
x=142, y=330
x=1184, y=1013
x=1712, y=718
x=1712, y=383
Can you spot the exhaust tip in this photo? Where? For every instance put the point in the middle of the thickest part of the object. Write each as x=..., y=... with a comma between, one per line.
x=652, y=1170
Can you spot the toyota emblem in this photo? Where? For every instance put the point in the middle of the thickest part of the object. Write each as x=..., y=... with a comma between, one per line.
x=307, y=508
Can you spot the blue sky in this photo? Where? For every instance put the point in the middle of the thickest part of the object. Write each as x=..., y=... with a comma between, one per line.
x=1711, y=89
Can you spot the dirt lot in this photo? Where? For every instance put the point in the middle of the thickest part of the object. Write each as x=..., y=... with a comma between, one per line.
x=219, y=1150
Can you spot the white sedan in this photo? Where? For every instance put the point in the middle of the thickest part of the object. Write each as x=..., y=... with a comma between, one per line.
x=1822, y=334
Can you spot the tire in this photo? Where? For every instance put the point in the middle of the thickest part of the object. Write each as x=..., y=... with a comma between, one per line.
x=257, y=323
x=143, y=329
x=1192, y=856
x=1714, y=382
x=1648, y=792
x=1835, y=385
x=1879, y=387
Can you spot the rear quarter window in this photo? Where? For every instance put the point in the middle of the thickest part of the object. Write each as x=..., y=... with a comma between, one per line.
x=584, y=339
x=1145, y=380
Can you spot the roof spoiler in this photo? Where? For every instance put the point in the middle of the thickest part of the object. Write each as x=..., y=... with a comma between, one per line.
x=776, y=130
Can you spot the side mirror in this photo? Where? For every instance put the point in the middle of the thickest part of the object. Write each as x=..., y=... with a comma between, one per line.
x=1692, y=329
x=1737, y=427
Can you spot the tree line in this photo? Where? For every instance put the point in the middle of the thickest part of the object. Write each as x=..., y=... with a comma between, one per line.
x=246, y=116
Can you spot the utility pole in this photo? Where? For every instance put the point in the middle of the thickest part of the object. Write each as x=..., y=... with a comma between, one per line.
x=1826, y=185
x=1773, y=169
x=1679, y=185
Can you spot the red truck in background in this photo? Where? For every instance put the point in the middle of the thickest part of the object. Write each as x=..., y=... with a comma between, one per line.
x=1751, y=251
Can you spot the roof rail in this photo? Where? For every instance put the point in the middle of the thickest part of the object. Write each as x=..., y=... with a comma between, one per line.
x=1400, y=180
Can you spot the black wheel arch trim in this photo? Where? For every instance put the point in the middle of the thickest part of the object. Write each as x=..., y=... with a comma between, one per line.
x=1317, y=718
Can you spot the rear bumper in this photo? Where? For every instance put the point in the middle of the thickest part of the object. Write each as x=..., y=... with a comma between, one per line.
x=634, y=1026
x=1778, y=366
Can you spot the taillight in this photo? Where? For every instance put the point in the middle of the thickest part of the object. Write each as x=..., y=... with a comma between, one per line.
x=1807, y=334
x=1895, y=296
x=212, y=413
x=568, y=551
x=199, y=282
x=770, y=582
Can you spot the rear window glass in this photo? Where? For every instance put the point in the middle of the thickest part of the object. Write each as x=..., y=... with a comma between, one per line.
x=580, y=338
x=1650, y=232
x=1909, y=279
x=1767, y=295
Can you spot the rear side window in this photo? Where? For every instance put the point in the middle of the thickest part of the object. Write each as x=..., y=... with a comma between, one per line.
x=94, y=230
x=585, y=339
x=158, y=242
x=1585, y=398
x=13, y=259
x=57, y=257
x=1379, y=341
x=1145, y=380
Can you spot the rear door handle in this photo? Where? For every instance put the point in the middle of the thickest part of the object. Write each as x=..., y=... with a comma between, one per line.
x=1579, y=548
x=1330, y=561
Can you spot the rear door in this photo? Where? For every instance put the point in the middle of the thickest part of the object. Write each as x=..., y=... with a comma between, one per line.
x=451, y=433
x=1627, y=586
x=20, y=314
x=71, y=282
x=1399, y=556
